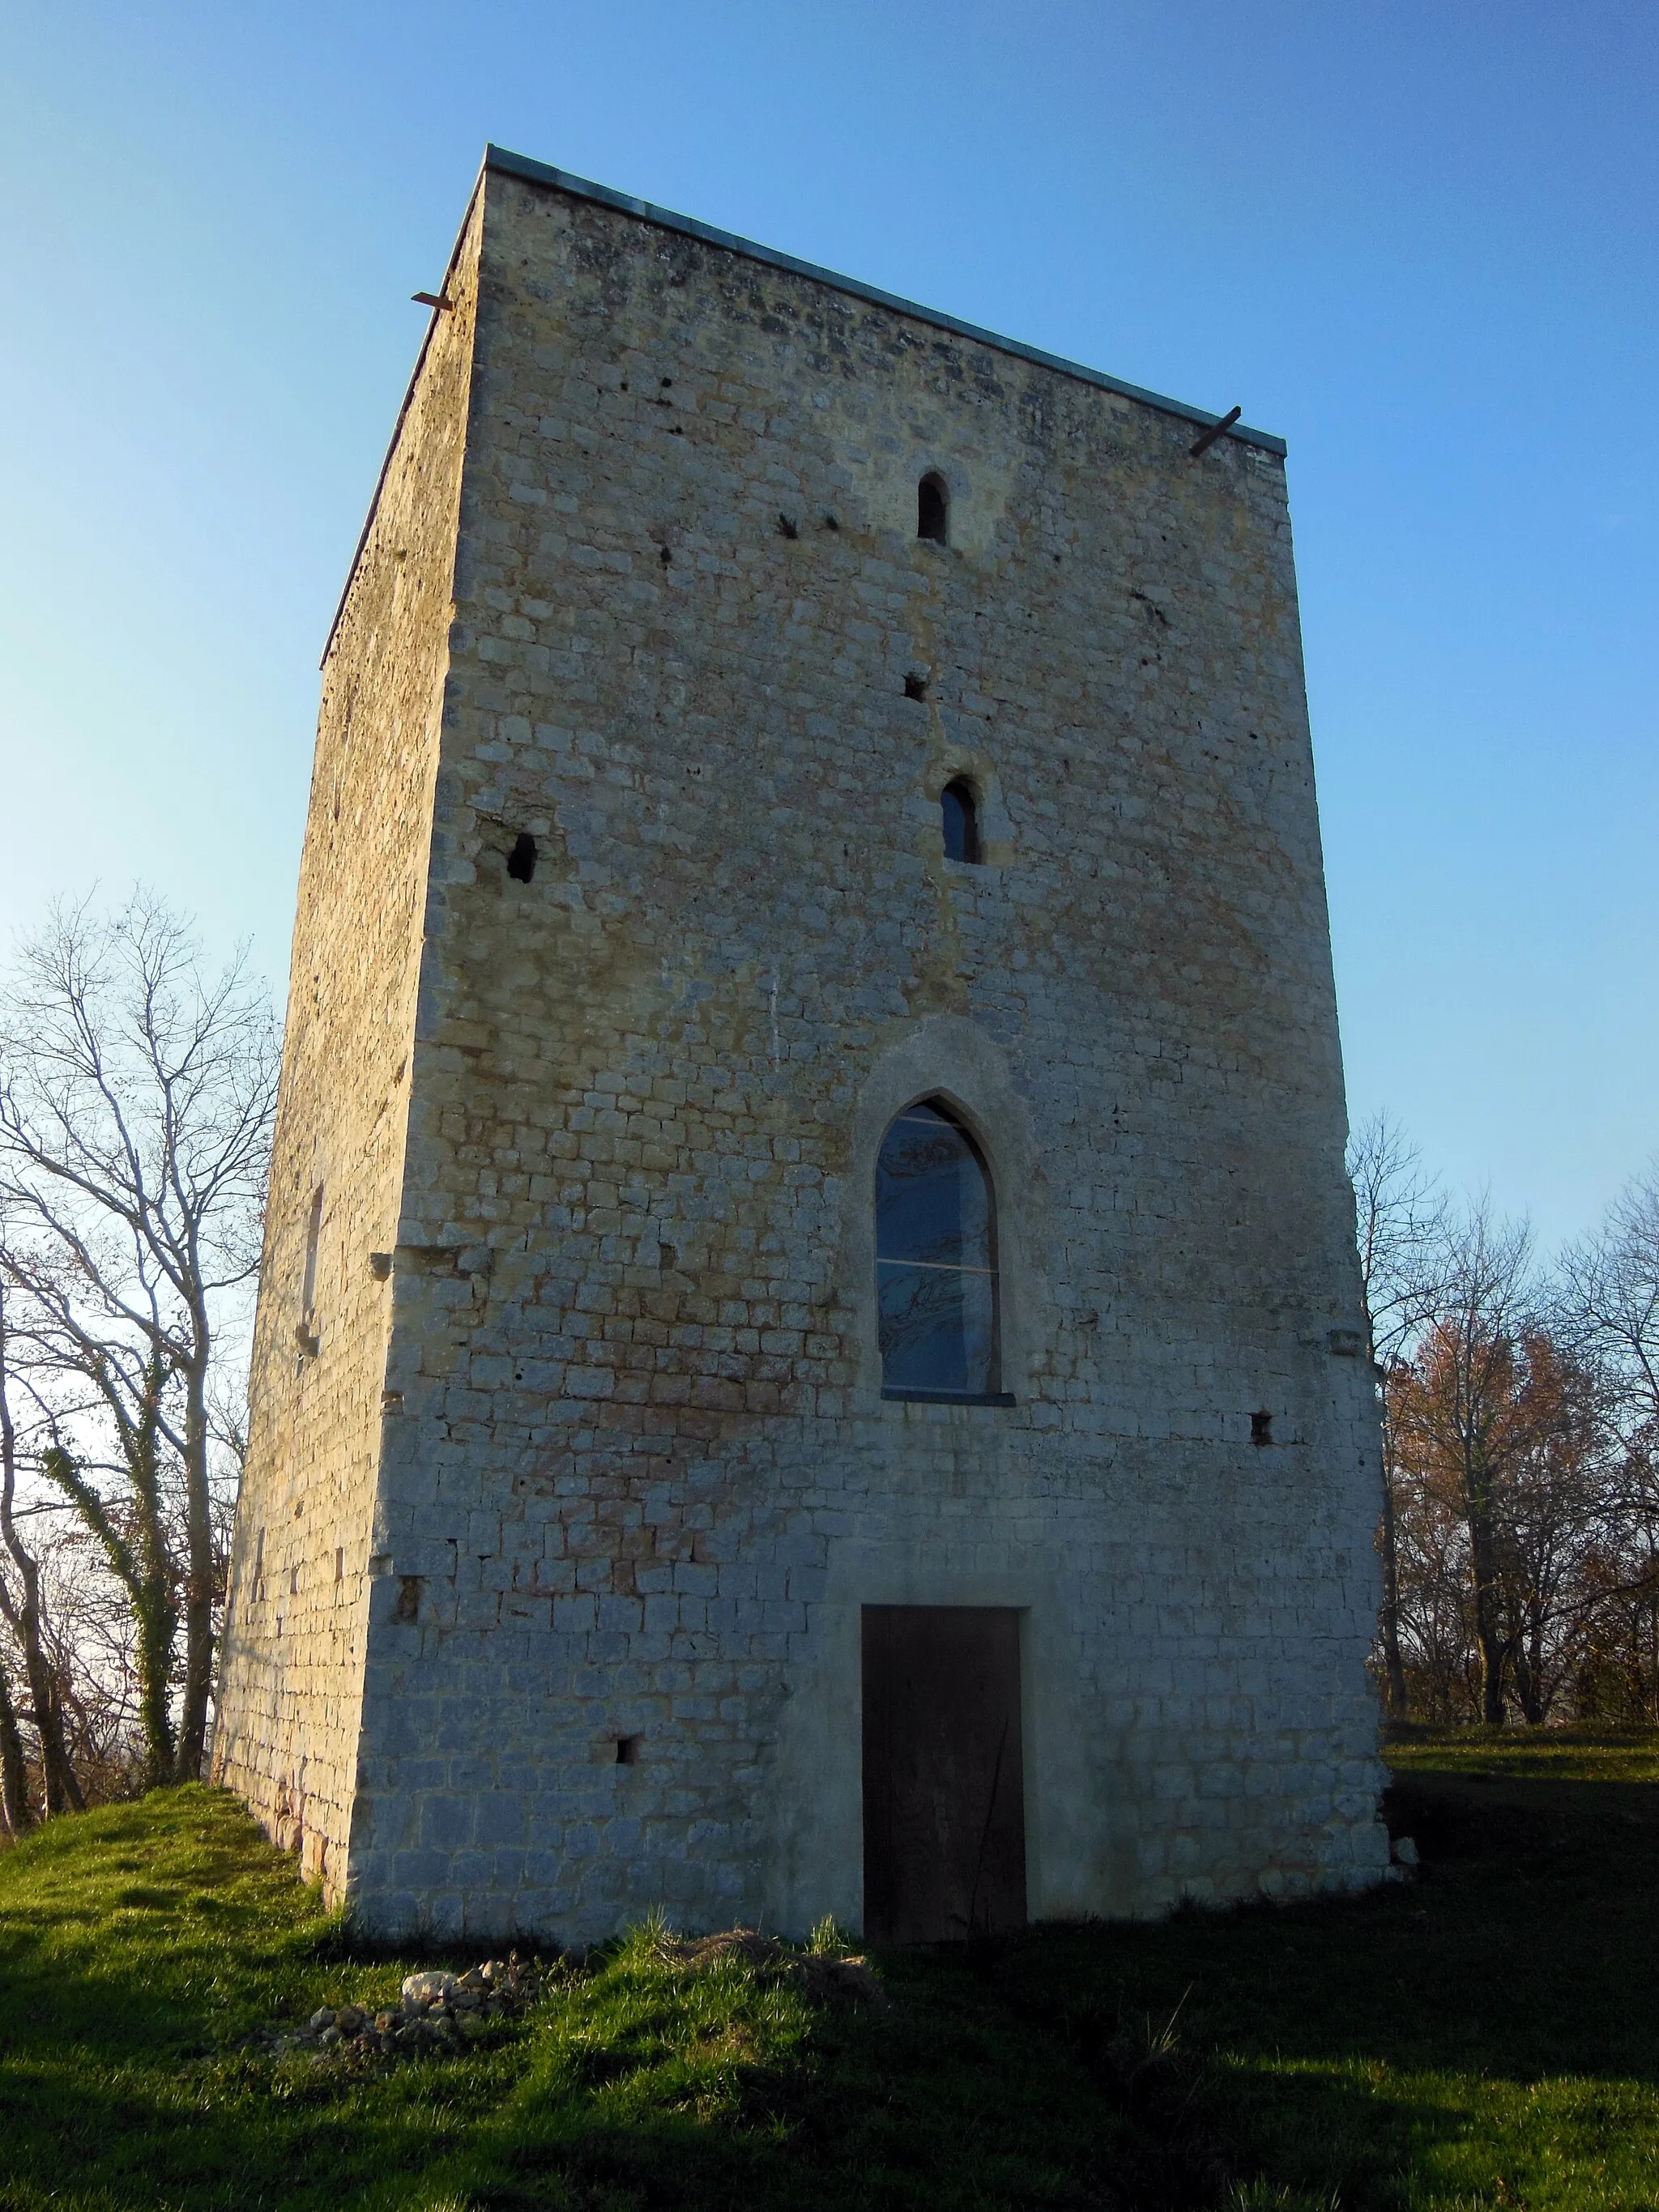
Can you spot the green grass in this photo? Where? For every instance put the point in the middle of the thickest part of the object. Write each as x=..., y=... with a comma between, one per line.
x=1486, y=2036
x=1566, y=1754
x=141, y=1945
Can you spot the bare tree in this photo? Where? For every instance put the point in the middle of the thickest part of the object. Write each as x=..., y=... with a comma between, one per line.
x=15, y=1810
x=1520, y=1514
x=1553, y=1515
x=21, y=1608
x=1607, y=1306
x=1400, y=1220
x=16, y=1814
x=1610, y=1299
x=136, y=1102
x=1464, y=1414
x=92, y=1645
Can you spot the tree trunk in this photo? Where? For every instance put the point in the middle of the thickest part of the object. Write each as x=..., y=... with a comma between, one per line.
x=140, y=1564
x=1388, y=1619
x=199, y=1567
x=156, y=1619
x=153, y=1600
x=14, y=1807
x=60, y=1788
x=1529, y=1679
x=63, y=1791
x=1488, y=1629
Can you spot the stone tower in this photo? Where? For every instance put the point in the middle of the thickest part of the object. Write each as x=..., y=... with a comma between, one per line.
x=807, y=1349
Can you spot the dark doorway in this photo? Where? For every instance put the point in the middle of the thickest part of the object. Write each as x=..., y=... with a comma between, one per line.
x=944, y=1787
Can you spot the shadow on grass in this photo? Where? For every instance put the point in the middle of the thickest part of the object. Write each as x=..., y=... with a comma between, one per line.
x=1482, y=2037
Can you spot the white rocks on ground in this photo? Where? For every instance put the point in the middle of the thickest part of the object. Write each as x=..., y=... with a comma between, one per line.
x=437, y=2011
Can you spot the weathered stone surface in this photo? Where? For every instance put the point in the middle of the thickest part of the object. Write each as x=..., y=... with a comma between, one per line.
x=602, y=1456
x=430, y=1988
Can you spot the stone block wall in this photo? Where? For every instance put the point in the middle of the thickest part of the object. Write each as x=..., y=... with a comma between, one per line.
x=636, y=1478
x=291, y=1672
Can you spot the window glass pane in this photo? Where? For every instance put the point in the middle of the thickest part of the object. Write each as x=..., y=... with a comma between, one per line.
x=931, y=1199
x=938, y=1329
x=961, y=841
x=935, y=1281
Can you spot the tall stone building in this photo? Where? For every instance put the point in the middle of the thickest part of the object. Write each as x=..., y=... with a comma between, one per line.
x=807, y=1350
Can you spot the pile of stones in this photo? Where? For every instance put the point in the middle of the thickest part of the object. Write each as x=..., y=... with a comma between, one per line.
x=821, y=1974
x=439, y=2012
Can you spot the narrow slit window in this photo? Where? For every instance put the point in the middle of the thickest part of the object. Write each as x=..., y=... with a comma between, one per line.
x=314, y=1237
x=933, y=510
x=936, y=1271
x=960, y=821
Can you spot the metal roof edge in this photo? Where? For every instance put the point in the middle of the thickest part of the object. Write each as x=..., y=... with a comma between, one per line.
x=543, y=172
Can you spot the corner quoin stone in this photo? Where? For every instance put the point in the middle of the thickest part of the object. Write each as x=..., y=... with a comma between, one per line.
x=599, y=1452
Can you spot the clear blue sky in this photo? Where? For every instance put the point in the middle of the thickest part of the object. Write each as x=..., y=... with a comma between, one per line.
x=1415, y=237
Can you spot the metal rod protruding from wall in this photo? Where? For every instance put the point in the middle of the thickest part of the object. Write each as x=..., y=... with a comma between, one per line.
x=1216, y=430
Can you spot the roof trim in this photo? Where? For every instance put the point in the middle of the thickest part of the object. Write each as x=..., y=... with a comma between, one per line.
x=542, y=173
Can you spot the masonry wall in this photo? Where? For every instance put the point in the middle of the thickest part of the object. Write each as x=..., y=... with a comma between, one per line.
x=637, y=1475
x=294, y=1651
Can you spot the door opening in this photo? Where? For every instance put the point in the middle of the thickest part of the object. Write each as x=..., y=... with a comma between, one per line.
x=943, y=1781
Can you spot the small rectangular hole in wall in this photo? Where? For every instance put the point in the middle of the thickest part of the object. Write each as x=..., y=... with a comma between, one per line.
x=1261, y=1428
x=408, y=1607
x=314, y=1237
x=339, y=1564
x=294, y=1582
x=629, y=1748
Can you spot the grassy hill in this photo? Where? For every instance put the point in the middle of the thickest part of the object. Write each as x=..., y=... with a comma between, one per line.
x=1485, y=2036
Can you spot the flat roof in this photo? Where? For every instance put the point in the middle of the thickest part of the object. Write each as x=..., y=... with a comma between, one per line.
x=581, y=188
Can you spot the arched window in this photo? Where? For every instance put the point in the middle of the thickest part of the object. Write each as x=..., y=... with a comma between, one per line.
x=961, y=821
x=313, y=1238
x=936, y=1267
x=932, y=508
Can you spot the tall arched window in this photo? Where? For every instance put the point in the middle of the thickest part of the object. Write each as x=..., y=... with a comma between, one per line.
x=933, y=508
x=936, y=1267
x=960, y=821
